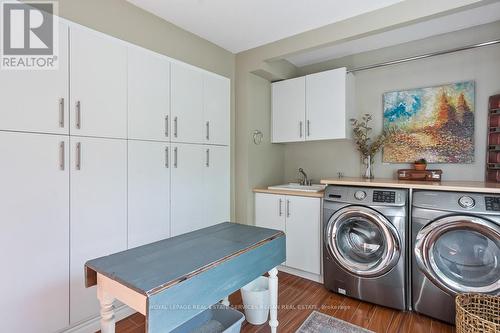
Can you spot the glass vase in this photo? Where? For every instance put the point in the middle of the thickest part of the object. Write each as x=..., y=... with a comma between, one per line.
x=367, y=170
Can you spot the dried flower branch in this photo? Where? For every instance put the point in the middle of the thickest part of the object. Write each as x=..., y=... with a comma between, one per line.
x=361, y=133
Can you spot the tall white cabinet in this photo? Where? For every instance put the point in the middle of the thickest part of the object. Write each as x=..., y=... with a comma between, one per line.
x=34, y=236
x=149, y=166
x=118, y=148
x=98, y=169
x=98, y=67
x=37, y=100
x=148, y=95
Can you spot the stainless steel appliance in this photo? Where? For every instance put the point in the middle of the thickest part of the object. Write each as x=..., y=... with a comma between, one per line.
x=364, y=243
x=456, y=249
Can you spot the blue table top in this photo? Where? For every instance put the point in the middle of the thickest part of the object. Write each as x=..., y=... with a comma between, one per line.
x=154, y=267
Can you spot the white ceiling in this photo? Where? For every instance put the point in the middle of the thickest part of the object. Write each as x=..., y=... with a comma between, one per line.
x=453, y=22
x=239, y=25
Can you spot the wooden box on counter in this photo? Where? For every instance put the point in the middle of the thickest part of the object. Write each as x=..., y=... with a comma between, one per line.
x=422, y=175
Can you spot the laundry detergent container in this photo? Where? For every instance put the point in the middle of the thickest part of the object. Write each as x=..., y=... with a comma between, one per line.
x=217, y=319
x=255, y=297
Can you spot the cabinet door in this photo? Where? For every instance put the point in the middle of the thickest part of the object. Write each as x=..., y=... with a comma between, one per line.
x=98, y=212
x=216, y=179
x=187, y=188
x=148, y=192
x=270, y=211
x=34, y=236
x=148, y=95
x=98, y=85
x=303, y=235
x=288, y=110
x=217, y=105
x=326, y=105
x=187, y=104
x=37, y=100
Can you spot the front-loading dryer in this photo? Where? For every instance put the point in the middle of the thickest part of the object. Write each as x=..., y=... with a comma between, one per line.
x=364, y=236
x=456, y=249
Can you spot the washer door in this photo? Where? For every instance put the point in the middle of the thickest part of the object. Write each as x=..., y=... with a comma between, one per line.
x=363, y=241
x=460, y=254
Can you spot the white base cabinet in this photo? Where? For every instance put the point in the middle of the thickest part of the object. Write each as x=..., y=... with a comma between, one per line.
x=34, y=236
x=148, y=192
x=300, y=219
x=98, y=212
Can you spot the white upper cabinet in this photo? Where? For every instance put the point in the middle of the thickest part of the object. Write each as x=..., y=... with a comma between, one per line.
x=217, y=105
x=98, y=214
x=148, y=95
x=148, y=192
x=187, y=104
x=98, y=85
x=34, y=236
x=37, y=100
x=326, y=105
x=312, y=107
x=216, y=180
x=288, y=110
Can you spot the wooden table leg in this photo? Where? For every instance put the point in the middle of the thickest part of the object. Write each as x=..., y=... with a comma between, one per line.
x=107, y=310
x=273, y=300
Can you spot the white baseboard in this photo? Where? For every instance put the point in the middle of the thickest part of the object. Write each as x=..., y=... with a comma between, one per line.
x=92, y=325
x=302, y=274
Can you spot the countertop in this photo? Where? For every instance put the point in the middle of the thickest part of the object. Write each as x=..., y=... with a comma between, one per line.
x=458, y=186
x=290, y=192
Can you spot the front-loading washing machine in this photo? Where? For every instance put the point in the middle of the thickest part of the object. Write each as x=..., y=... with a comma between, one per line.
x=456, y=249
x=364, y=241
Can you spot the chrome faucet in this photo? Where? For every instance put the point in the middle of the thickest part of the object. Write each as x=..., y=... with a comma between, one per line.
x=304, y=181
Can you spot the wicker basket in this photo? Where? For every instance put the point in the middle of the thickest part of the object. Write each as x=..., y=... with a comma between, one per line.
x=477, y=313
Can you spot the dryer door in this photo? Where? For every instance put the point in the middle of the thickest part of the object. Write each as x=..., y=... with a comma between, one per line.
x=460, y=254
x=362, y=241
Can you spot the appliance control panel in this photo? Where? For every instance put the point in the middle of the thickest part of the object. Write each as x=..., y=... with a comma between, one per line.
x=384, y=196
x=492, y=203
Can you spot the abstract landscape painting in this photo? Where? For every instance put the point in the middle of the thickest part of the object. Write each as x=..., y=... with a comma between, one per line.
x=435, y=123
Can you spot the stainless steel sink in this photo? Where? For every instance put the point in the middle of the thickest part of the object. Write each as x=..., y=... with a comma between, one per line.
x=298, y=187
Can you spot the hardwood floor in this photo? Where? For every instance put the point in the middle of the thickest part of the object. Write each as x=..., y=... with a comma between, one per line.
x=299, y=297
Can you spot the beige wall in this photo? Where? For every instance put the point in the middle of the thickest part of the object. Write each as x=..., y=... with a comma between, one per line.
x=260, y=166
x=125, y=21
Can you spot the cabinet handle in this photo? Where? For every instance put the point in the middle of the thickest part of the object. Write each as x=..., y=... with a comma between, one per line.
x=175, y=157
x=166, y=157
x=279, y=207
x=175, y=126
x=166, y=126
x=61, y=112
x=78, y=115
x=61, y=156
x=300, y=129
x=208, y=158
x=78, y=156
x=308, y=128
x=288, y=208
x=208, y=130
